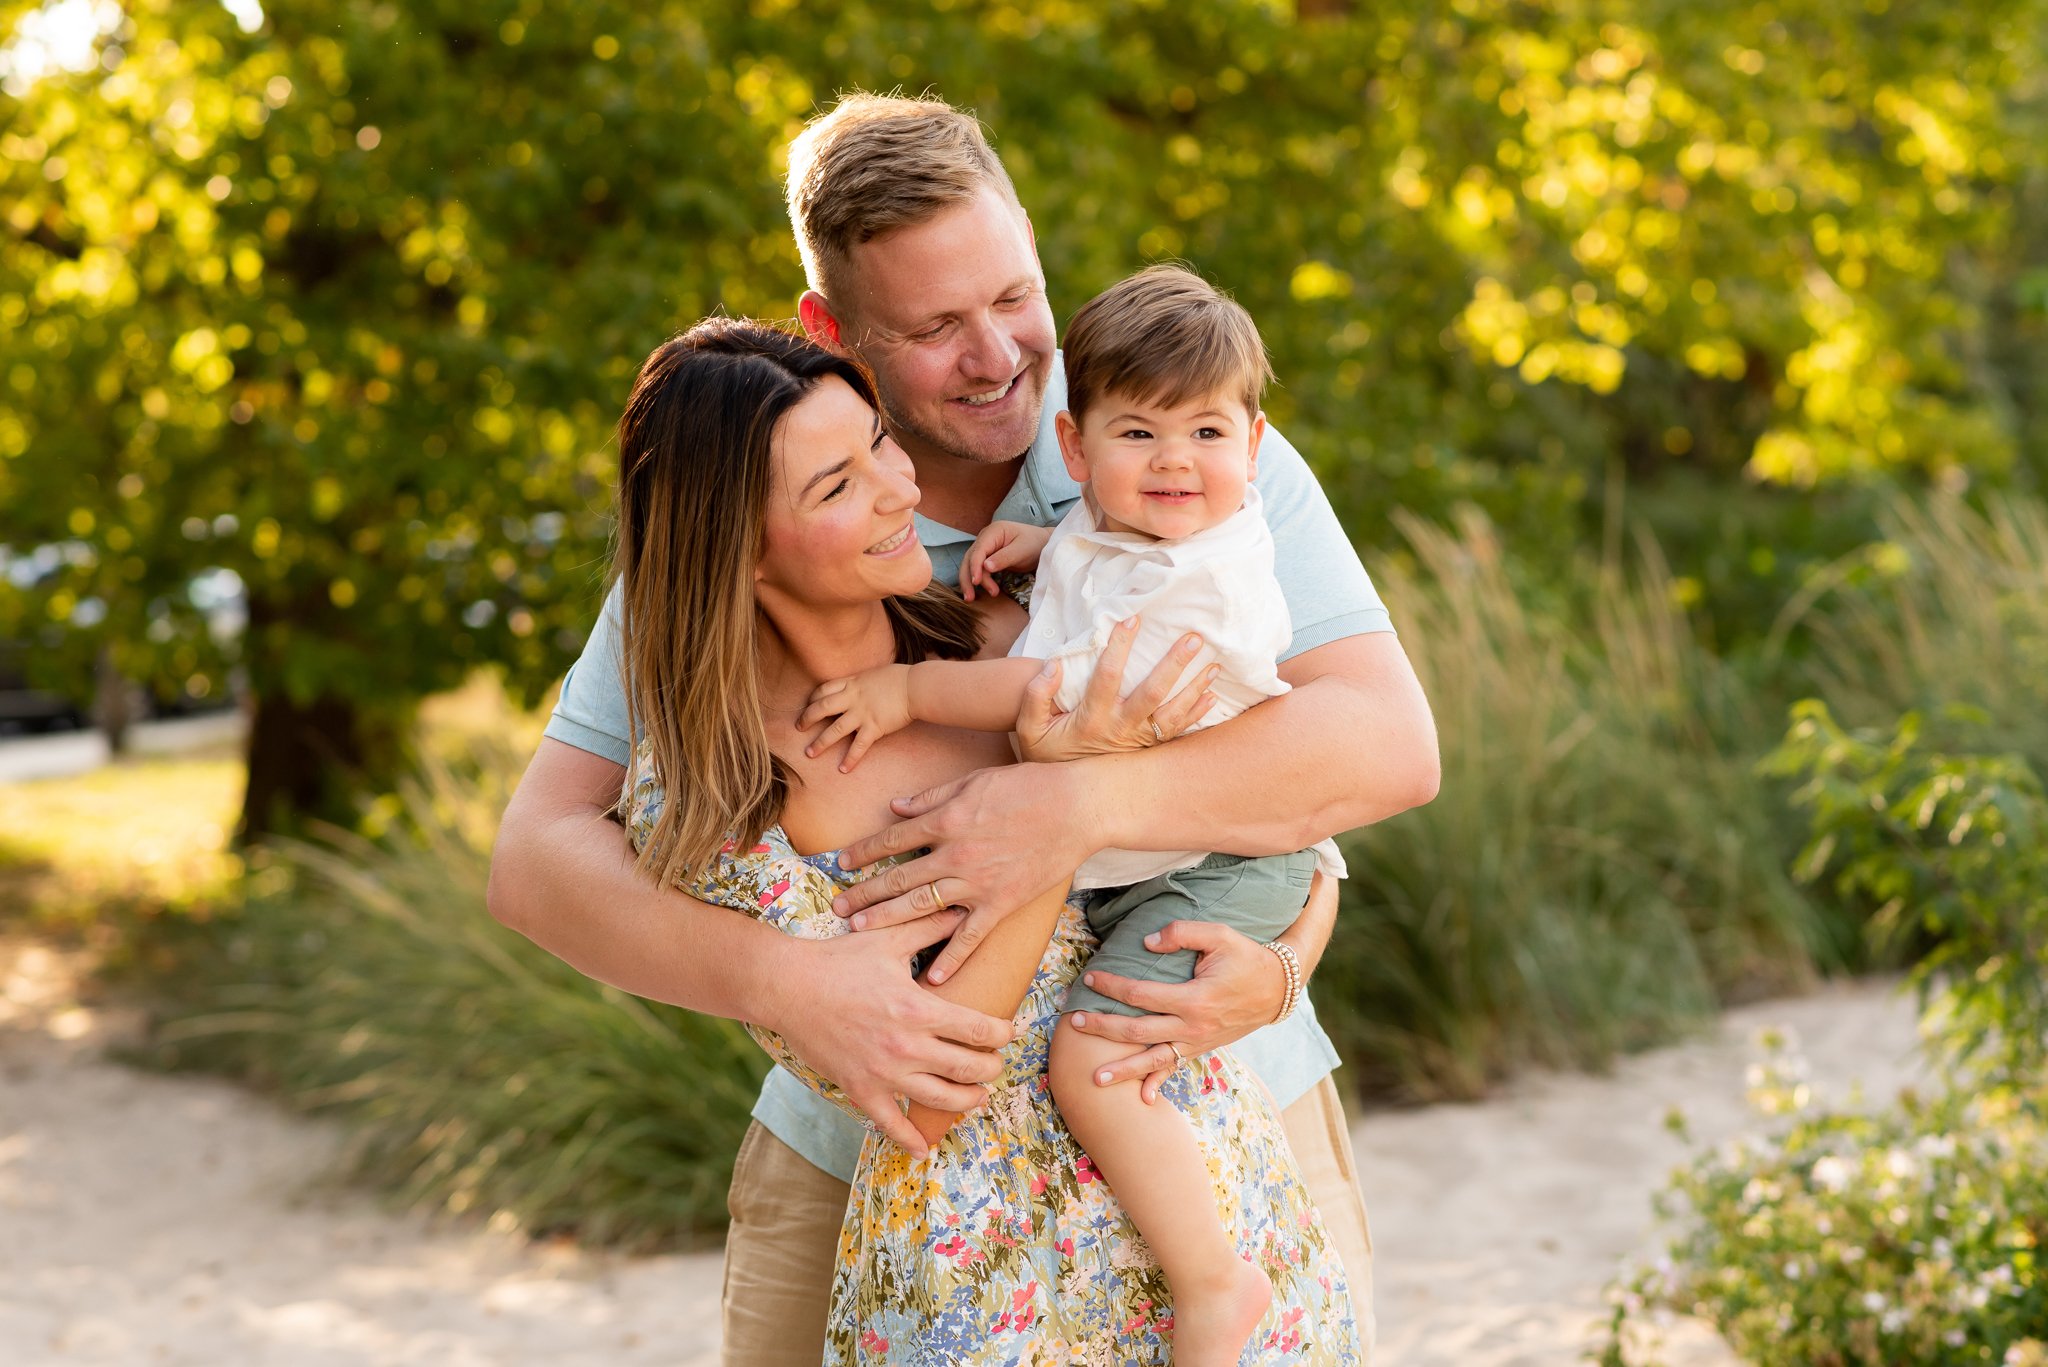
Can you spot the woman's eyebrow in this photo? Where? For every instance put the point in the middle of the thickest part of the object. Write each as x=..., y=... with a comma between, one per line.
x=825, y=473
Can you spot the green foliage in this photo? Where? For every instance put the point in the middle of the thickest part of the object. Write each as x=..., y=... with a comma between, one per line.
x=1909, y=1235
x=346, y=305
x=1601, y=866
x=475, y=1071
x=1904, y=1238
x=1948, y=606
x=1950, y=849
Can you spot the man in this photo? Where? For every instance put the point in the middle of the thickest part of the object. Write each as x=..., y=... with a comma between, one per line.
x=921, y=262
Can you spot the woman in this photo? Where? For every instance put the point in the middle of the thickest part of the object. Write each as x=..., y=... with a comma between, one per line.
x=765, y=545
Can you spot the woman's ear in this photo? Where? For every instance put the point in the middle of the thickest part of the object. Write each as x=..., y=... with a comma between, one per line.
x=1252, y=446
x=820, y=324
x=1070, y=446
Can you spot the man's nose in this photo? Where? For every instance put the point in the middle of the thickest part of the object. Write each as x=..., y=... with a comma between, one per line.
x=991, y=352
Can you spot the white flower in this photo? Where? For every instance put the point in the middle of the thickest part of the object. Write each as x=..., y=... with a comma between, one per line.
x=1832, y=1173
x=1874, y=1302
x=1900, y=1164
x=1936, y=1146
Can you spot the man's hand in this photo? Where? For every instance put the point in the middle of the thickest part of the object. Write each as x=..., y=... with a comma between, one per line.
x=1107, y=721
x=1238, y=987
x=869, y=705
x=852, y=1012
x=1001, y=546
x=997, y=838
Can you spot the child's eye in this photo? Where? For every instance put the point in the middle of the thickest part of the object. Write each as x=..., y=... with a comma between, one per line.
x=1208, y=433
x=1137, y=432
x=835, y=491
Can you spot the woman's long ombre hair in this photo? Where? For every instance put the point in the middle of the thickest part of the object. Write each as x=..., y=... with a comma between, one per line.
x=695, y=468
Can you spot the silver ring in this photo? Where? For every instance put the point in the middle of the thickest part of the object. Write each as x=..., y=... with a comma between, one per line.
x=1158, y=736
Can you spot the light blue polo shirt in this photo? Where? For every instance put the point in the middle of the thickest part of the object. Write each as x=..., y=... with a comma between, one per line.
x=1329, y=597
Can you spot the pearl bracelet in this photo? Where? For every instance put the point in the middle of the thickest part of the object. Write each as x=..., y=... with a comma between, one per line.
x=1291, y=963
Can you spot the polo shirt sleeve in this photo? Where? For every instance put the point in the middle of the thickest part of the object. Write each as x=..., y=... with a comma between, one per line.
x=1329, y=594
x=591, y=714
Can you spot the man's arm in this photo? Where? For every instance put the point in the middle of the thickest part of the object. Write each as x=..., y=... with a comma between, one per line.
x=563, y=875
x=1352, y=744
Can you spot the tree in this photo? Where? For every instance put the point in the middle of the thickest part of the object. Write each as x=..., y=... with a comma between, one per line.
x=346, y=305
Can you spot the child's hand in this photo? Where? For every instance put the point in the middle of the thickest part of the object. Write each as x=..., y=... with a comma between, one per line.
x=868, y=706
x=1001, y=546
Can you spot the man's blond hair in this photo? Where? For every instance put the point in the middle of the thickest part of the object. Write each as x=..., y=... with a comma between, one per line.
x=876, y=163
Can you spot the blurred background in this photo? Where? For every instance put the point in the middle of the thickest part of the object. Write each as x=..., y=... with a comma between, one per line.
x=1680, y=370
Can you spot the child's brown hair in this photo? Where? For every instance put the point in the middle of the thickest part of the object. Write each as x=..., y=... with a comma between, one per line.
x=1165, y=336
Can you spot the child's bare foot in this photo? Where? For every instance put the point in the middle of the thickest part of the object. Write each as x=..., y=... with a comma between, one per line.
x=1212, y=1319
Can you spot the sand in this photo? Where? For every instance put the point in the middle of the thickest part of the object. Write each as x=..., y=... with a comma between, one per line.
x=176, y=1220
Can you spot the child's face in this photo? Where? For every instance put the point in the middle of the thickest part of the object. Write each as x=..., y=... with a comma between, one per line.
x=1166, y=472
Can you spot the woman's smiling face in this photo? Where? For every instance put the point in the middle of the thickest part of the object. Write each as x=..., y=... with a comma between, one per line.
x=839, y=526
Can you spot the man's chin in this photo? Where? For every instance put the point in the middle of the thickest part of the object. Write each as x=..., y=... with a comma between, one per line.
x=992, y=443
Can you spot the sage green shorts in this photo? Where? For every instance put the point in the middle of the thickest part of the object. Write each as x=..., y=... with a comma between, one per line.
x=1259, y=897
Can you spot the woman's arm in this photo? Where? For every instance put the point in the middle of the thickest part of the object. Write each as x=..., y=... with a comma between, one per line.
x=995, y=980
x=564, y=876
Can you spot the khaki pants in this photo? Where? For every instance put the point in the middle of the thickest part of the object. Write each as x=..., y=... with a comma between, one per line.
x=780, y=1252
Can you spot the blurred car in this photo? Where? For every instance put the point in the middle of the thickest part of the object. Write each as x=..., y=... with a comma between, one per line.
x=26, y=708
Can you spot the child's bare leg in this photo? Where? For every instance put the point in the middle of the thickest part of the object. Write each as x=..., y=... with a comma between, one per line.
x=1149, y=1156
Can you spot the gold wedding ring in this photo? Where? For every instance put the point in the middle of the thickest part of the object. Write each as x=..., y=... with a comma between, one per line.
x=1178, y=1057
x=938, y=902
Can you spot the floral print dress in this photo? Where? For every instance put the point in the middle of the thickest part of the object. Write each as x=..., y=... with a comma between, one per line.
x=1005, y=1248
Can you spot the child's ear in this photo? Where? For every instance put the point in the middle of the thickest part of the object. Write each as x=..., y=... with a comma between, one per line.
x=1252, y=446
x=1070, y=446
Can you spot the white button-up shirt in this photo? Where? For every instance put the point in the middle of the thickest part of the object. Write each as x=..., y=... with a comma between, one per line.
x=1217, y=583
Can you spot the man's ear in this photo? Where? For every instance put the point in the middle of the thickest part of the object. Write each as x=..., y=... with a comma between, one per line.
x=1070, y=446
x=1252, y=447
x=820, y=324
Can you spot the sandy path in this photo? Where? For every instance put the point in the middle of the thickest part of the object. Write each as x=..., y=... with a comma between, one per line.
x=170, y=1220
x=1495, y=1226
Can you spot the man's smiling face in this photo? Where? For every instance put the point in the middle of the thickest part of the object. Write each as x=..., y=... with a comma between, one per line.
x=951, y=316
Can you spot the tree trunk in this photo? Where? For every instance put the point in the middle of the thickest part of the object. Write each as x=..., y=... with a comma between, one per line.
x=310, y=761
x=114, y=702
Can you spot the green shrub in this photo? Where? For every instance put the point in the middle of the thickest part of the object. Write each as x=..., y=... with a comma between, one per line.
x=364, y=979
x=1951, y=850
x=1911, y=1235
x=1905, y=1238
x=1602, y=865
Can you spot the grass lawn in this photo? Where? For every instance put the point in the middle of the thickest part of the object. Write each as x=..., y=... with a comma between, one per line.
x=140, y=835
